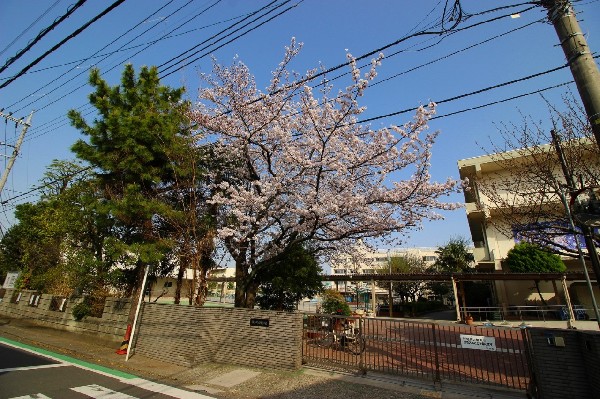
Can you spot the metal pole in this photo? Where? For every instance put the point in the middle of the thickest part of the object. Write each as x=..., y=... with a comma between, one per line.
x=568, y=300
x=579, y=58
x=390, y=293
x=137, y=311
x=373, y=298
x=580, y=252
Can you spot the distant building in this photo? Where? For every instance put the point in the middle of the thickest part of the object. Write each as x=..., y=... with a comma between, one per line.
x=371, y=262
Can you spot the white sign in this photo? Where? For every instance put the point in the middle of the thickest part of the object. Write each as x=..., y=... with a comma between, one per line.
x=11, y=279
x=478, y=342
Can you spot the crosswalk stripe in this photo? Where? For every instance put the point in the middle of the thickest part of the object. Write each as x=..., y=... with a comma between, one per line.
x=34, y=396
x=100, y=392
x=166, y=389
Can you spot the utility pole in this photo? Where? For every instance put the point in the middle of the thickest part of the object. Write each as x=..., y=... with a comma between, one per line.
x=579, y=58
x=17, y=146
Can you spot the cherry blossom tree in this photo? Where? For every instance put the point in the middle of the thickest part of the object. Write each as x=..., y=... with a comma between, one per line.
x=302, y=169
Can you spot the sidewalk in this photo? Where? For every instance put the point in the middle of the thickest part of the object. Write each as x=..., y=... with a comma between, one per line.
x=234, y=382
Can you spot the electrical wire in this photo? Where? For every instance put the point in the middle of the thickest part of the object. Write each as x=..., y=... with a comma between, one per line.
x=234, y=38
x=484, y=12
x=38, y=188
x=40, y=35
x=215, y=35
x=58, y=45
x=86, y=59
x=110, y=69
x=20, y=35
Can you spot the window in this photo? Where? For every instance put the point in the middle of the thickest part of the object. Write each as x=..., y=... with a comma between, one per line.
x=429, y=258
x=339, y=271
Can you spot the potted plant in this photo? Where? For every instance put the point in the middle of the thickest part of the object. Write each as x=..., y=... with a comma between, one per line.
x=469, y=320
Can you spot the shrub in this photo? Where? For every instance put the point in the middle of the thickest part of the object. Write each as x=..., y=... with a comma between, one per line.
x=81, y=310
x=334, y=303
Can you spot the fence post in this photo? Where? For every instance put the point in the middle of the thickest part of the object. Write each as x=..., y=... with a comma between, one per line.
x=361, y=358
x=532, y=389
x=437, y=359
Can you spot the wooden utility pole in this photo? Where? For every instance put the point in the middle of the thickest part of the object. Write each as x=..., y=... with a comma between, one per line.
x=17, y=146
x=579, y=58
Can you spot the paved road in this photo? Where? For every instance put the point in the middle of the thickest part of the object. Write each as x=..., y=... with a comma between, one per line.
x=28, y=373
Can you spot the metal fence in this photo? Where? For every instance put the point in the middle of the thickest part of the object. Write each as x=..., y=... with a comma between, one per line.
x=523, y=313
x=494, y=356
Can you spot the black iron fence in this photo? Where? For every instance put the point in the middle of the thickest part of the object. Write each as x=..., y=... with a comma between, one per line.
x=494, y=356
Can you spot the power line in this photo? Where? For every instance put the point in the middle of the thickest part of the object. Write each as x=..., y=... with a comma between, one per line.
x=458, y=97
x=215, y=35
x=503, y=100
x=110, y=69
x=433, y=25
x=40, y=35
x=38, y=188
x=535, y=75
x=29, y=27
x=235, y=38
x=86, y=59
x=55, y=47
x=105, y=55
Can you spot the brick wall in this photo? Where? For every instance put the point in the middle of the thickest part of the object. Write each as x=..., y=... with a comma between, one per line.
x=112, y=325
x=566, y=363
x=187, y=335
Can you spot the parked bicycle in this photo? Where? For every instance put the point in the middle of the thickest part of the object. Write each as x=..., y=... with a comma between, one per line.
x=342, y=334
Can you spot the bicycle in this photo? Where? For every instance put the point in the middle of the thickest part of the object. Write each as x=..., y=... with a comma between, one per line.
x=342, y=335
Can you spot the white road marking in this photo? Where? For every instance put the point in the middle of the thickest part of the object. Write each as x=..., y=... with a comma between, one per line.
x=165, y=389
x=34, y=396
x=99, y=392
x=43, y=366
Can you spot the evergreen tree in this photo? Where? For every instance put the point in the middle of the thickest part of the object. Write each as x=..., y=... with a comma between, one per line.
x=140, y=130
x=531, y=258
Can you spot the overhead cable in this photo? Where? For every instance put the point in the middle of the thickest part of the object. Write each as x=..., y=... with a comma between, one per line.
x=58, y=45
x=29, y=27
x=40, y=35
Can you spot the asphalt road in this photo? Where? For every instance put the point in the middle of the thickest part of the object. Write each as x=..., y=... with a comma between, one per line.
x=28, y=373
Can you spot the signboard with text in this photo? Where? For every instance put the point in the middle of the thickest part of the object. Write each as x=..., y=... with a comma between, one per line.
x=478, y=342
x=259, y=322
x=11, y=279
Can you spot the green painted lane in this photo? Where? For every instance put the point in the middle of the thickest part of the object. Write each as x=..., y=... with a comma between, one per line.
x=58, y=356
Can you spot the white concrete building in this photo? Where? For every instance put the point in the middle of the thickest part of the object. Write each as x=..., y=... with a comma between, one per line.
x=491, y=232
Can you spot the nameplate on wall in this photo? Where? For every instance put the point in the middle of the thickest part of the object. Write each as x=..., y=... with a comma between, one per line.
x=259, y=322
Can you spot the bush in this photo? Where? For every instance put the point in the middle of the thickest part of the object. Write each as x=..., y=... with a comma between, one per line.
x=90, y=306
x=81, y=310
x=334, y=303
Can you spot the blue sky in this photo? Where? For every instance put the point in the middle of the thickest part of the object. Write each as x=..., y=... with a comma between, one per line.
x=513, y=49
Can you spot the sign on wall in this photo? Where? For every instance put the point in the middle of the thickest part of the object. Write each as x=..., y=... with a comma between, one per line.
x=10, y=280
x=259, y=322
x=478, y=342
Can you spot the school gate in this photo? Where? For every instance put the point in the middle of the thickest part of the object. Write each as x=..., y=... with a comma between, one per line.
x=493, y=356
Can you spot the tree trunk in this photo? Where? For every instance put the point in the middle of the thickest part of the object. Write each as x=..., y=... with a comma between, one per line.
x=240, y=284
x=179, y=284
x=537, y=287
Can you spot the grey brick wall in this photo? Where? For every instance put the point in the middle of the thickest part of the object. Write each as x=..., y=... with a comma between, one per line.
x=187, y=335
x=112, y=325
x=572, y=370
